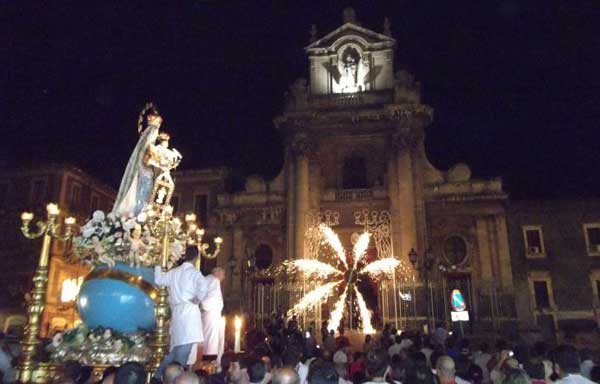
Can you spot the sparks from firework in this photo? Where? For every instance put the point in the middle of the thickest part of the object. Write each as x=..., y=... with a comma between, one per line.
x=345, y=275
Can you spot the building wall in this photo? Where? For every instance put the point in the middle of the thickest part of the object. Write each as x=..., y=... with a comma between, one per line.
x=564, y=262
x=77, y=194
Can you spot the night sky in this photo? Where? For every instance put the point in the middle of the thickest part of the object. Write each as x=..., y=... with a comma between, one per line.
x=515, y=85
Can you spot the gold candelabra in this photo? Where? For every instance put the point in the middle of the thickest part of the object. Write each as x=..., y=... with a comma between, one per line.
x=166, y=228
x=47, y=230
x=203, y=247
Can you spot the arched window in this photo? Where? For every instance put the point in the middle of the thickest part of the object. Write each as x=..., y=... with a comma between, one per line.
x=354, y=173
x=263, y=256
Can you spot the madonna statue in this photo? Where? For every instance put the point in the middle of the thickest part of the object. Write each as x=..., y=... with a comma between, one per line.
x=138, y=179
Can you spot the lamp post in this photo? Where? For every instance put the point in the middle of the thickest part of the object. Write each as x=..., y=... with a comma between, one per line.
x=426, y=264
x=47, y=230
x=166, y=228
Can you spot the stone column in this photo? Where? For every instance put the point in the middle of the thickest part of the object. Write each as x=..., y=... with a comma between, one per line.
x=392, y=186
x=290, y=207
x=301, y=204
x=301, y=192
x=406, y=201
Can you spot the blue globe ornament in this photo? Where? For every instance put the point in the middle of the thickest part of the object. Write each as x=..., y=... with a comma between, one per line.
x=121, y=298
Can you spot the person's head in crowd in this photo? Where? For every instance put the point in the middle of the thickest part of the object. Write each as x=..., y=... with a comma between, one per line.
x=566, y=361
x=172, y=371
x=285, y=375
x=191, y=253
x=187, y=378
x=325, y=373
x=368, y=339
x=341, y=330
x=357, y=356
x=445, y=369
x=226, y=360
x=326, y=355
x=419, y=373
x=398, y=339
x=539, y=350
x=501, y=345
x=464, y=347
x=396, y=373
x=218, y=273
x=340, y=362
x=359, y=377
x=484, y=347
x=585, y=354
x=462, y=364
x=475, y=374
x=516, y=376
x=130, y=373
x=377, y=362
x=536, y=370
x=595, y=374
x=291, y=357
x=203, y=376
x=238, y=371
x=266, y=359
x=419, y=359
x=108, y=375
x=257, y=371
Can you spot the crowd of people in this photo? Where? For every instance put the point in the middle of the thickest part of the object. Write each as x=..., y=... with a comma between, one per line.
x=288, y=355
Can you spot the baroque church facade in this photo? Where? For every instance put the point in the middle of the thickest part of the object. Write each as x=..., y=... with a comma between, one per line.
x=355, y=160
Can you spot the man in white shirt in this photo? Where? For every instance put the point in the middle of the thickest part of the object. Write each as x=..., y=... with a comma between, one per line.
x=212, y=306
x=185, y=284
x=567, y=365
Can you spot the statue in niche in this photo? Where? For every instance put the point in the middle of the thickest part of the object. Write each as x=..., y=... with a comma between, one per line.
x=406, y=89
x=297, y=97
x=350, y=63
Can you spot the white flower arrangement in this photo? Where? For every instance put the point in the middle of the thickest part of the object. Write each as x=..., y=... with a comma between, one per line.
x=108, y=239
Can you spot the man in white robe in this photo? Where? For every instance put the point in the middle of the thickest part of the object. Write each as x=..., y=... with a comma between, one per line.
x=212, y=306
x=186, y=287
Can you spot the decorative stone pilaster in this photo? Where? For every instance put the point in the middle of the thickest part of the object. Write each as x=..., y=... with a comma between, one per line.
x=300, y=148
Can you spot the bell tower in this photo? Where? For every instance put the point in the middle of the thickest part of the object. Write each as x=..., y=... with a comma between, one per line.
x=354, y=135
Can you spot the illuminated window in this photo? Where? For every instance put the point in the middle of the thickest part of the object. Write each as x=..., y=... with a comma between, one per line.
x=354, y=173
x=70, y=289
x=591, y=232
x=534, y=241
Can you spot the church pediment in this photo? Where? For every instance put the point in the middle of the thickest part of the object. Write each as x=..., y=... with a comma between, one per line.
x=369, y=39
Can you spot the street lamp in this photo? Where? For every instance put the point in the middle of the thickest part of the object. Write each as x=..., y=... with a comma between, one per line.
x=426, y=265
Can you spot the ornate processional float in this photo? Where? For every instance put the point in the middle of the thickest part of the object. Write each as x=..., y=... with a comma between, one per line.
x=124, y=313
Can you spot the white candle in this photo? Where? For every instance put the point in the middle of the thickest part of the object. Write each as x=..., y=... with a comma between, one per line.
x=237, y=325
